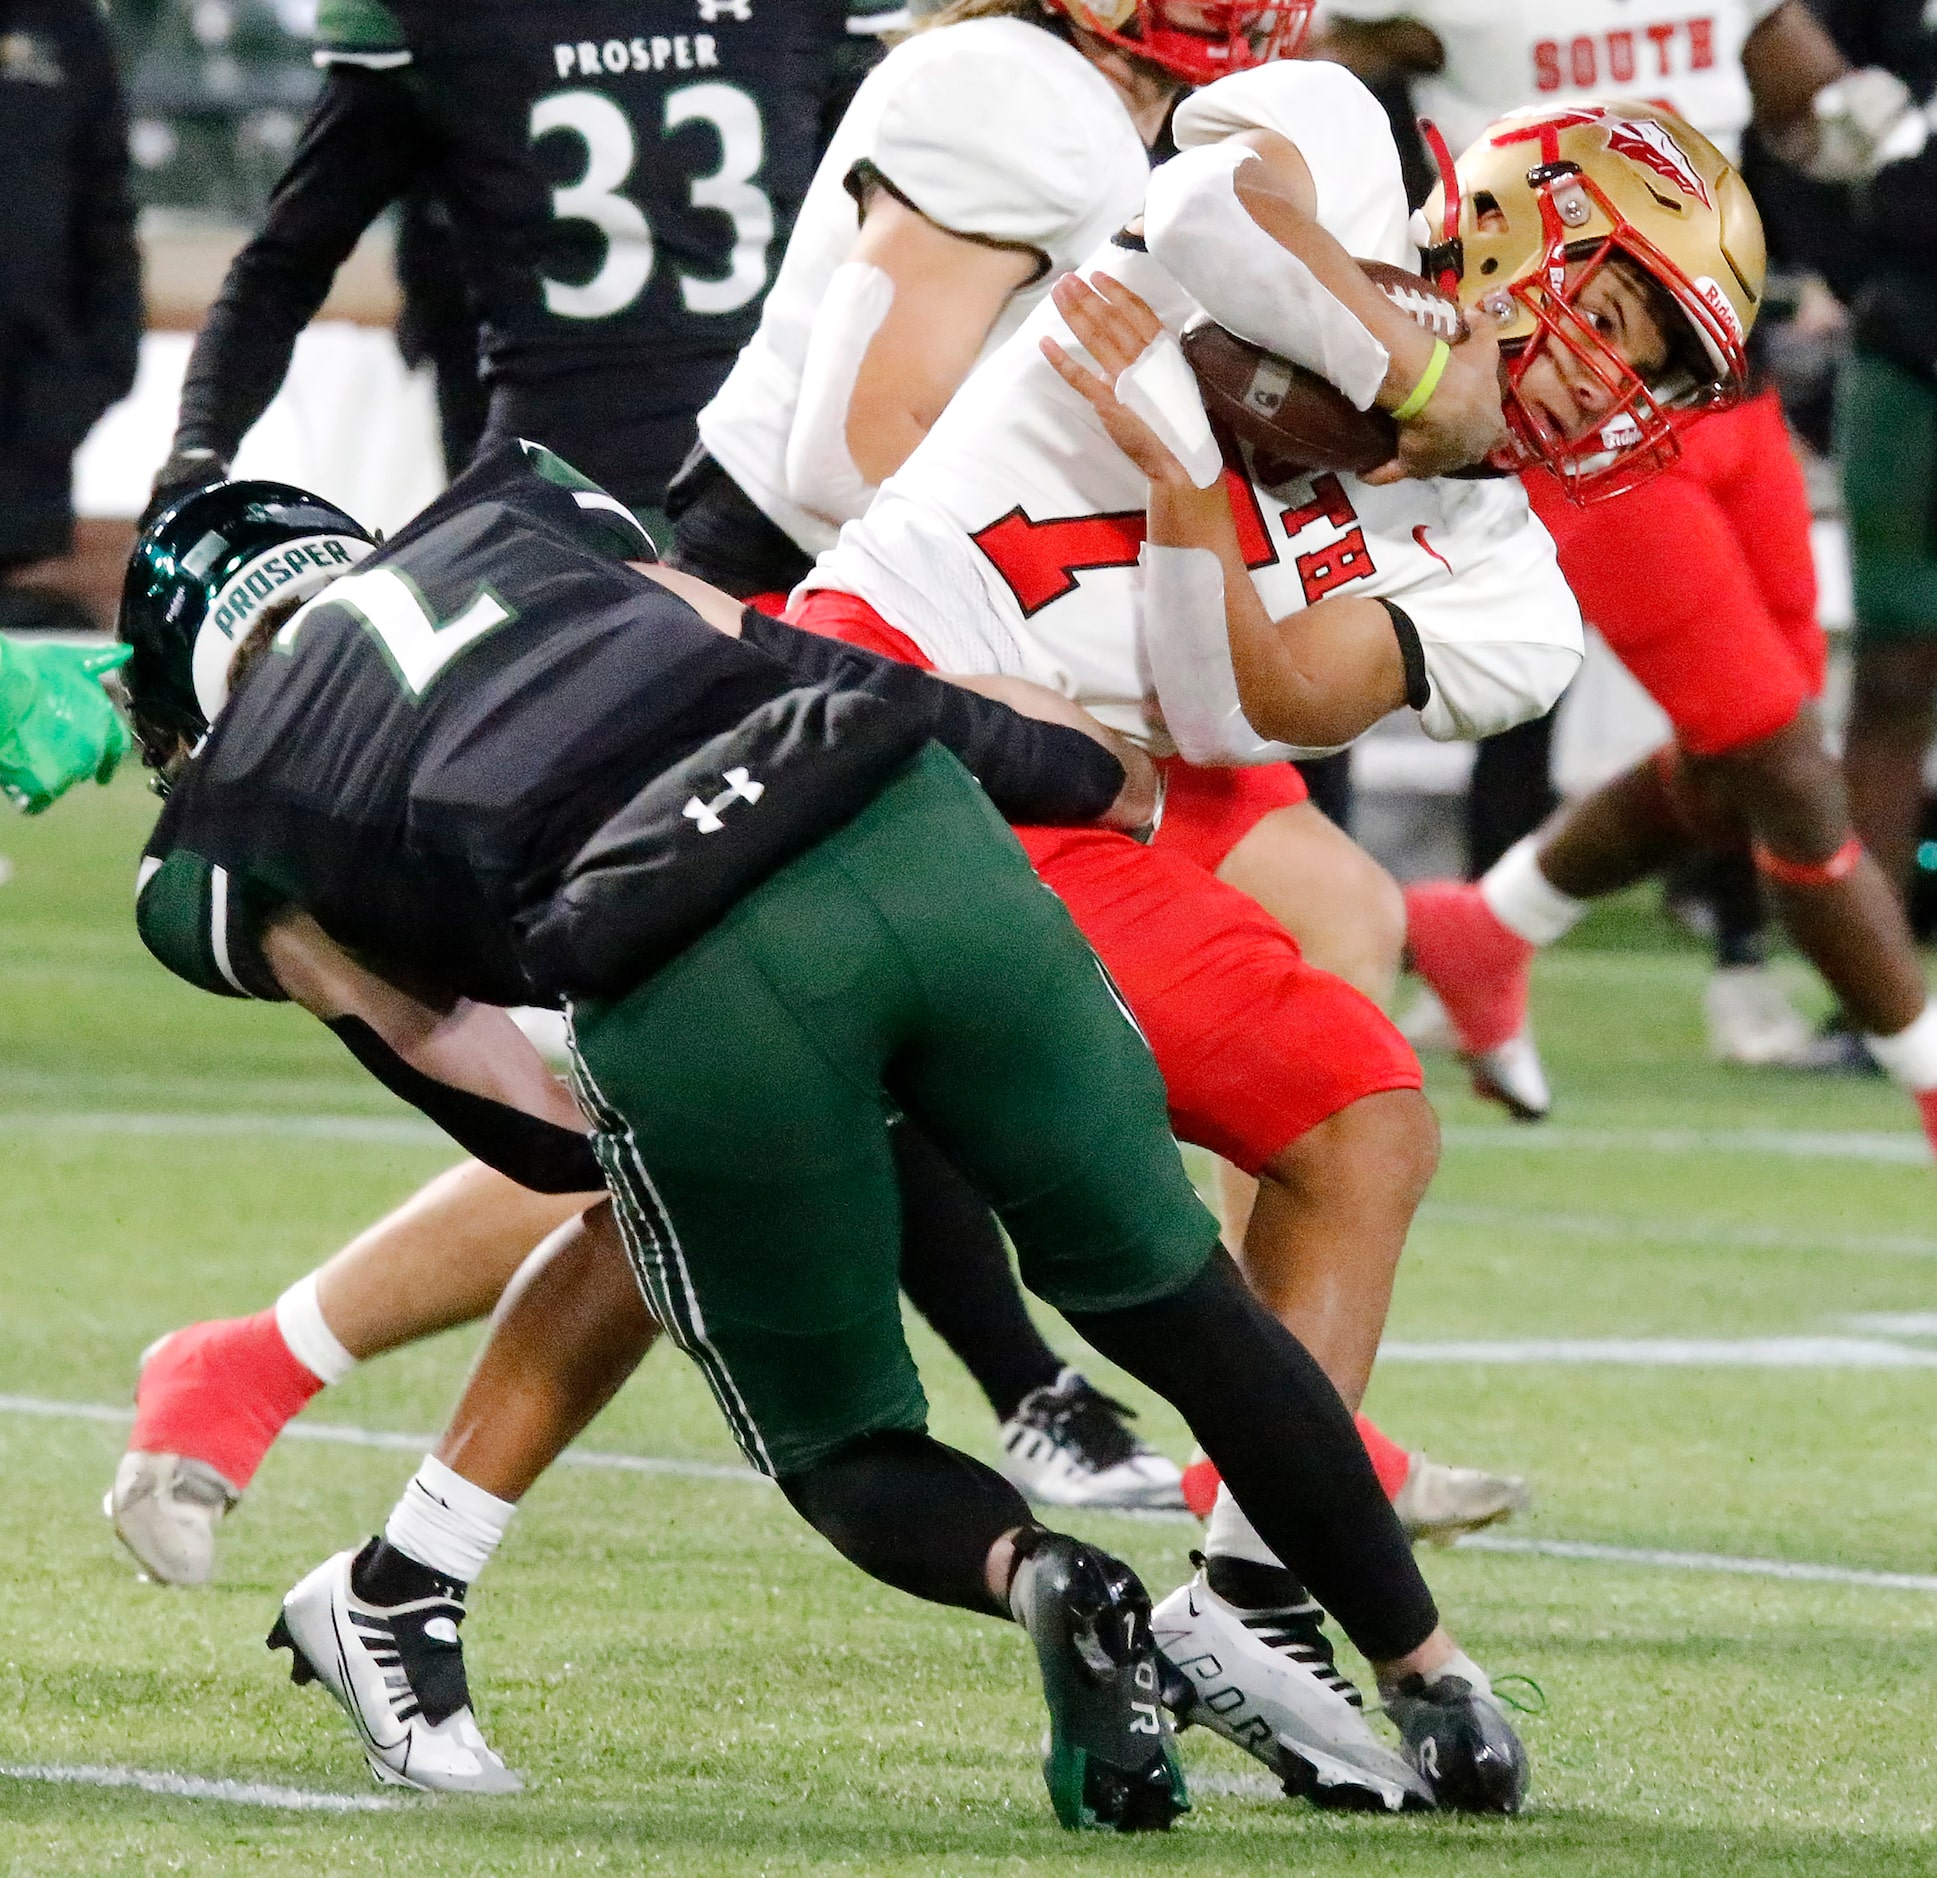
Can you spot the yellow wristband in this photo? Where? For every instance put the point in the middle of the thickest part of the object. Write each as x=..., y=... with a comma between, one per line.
x=1421, y=393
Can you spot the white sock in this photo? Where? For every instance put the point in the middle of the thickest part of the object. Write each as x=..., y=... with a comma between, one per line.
x=1228, y=1534
x=1911, y=1055
x=445, y=1522
x=310, y=1339
x=1524, y=900
x=1462, y=1665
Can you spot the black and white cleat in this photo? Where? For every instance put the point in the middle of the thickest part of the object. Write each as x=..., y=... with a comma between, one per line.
x=1462, y=1743
x=398, y=1671
x=1110, y=1761
x=1267, y=1682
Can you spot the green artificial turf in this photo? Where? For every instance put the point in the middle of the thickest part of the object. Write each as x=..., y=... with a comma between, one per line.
x=692, y=1682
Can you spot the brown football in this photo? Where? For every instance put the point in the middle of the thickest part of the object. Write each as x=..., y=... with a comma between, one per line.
x=1292, y=418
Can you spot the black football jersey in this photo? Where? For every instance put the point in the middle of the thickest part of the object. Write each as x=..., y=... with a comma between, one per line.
x=621, y=174
x=428, y=743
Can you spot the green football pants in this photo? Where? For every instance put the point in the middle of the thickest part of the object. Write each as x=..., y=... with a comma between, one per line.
x=741, y=1099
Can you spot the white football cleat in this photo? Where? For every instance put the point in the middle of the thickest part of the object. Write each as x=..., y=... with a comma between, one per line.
x=1266, y=1681
x=399, y=1674
x=1443, y=1503
x=1513, y=1075
x=1751, y=1021
x=165, y=1508
x=1067, y=1445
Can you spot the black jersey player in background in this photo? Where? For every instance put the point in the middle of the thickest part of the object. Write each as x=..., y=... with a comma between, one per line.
x=502, y=758
x=619, y=183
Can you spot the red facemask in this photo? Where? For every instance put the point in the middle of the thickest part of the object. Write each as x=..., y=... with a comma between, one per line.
x=1222, y=35
x=1637, y=435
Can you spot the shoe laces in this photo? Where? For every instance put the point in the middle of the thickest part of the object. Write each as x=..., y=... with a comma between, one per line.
x=1298, y=1631
x=1080, y=1419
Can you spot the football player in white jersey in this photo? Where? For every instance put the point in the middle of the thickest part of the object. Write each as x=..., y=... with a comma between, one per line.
x=1020, y=538
x=980, y=161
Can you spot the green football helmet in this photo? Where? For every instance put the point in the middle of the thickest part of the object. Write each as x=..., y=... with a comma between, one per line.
x=199, y=578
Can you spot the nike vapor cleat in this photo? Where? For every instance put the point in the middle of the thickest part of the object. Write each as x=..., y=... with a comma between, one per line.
x=398, y=1671
x=1110, y=1761
x=1443, y=1503
x=1267, y=1681
x=210, y=1400
x=1462, y=1743
x=165, y=1508
x=1513, y=1075
x=1751, y=1021
x=1067, y=1445
x=1481, y=974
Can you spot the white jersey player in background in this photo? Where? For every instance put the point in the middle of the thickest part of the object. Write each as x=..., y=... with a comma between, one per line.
x=1720, y=64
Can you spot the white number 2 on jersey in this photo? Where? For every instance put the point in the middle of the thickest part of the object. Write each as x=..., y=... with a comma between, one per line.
x=610, y=153
x=418, y=646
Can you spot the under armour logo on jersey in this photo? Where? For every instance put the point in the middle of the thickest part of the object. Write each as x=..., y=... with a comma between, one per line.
x=712, y=10
x=706, y=816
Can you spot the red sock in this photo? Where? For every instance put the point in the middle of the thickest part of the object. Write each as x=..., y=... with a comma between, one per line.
x=1389, y=1460
x=221, y=1392
x=1478, y=966
x=1927, y=1107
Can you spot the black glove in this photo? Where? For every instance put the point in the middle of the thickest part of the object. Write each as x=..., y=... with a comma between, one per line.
x=186, y=471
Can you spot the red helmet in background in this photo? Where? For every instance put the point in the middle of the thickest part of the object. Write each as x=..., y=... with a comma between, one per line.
x=1197, y=40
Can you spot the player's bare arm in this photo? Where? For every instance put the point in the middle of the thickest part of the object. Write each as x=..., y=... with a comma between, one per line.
x=948, y=291
x=467, y=1046
x=1318, y=677
x=1460, y=421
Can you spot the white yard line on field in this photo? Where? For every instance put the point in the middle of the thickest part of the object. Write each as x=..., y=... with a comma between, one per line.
x=1795, y=1144
x=194, y=1787
x=1657, y=1229
x=713, y=1470
x=1669, y=1352
x=377, y=1130
x=1784, y=1143
x=341, y=1434
x=1793, y=1570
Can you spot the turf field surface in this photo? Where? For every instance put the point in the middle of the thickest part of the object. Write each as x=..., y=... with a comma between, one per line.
x=690, y=1680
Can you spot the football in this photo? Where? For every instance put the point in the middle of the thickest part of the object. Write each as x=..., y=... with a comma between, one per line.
x=1292, y=418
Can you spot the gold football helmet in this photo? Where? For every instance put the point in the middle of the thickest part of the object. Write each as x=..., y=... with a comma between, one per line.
x=1543, y=202
x=1196, y=40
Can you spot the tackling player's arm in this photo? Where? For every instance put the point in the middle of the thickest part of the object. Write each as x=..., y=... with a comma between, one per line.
x=465, y=1065
x=1032, y=773
x=1314, y=680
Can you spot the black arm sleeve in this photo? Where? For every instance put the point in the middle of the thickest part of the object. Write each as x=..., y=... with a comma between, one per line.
x=536, y=1154
x=1033, y=772
x=363, y=145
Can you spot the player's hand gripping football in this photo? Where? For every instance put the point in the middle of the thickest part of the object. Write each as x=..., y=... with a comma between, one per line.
x=1113, y=325
x=1462, y=423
